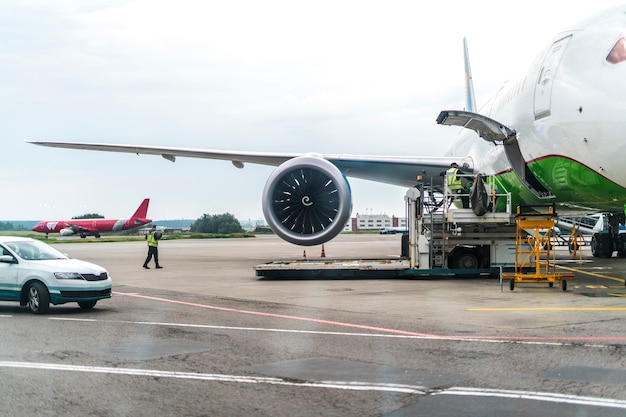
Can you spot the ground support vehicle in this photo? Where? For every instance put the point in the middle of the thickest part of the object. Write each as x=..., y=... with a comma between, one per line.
x=535, y=258
x=443, y=239
x=446, y=233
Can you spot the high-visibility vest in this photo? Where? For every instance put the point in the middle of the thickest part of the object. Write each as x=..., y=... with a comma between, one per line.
x=454, y=183
x=152, y=240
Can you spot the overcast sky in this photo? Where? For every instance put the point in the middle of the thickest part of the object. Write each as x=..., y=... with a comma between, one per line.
x=360, y=77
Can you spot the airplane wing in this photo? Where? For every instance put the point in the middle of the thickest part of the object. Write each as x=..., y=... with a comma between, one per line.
x=306, y=199
x=80, y=229
x=395, y=170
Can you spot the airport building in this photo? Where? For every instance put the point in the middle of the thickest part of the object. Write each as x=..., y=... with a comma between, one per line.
x=374, y=222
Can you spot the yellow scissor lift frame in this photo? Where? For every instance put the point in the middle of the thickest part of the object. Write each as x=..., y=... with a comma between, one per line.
x=533, y=249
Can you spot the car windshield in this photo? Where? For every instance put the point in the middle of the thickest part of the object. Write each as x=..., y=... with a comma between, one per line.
x=34, y=250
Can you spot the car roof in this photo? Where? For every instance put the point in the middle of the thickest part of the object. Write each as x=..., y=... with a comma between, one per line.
x=4, y=239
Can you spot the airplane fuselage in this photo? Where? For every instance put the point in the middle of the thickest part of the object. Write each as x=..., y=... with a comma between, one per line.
x=568, y=112
x=88, y=227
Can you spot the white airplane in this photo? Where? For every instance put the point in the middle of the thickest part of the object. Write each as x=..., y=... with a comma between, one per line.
x=554, y=135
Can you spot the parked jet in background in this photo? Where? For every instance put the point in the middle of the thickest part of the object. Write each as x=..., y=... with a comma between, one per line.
x=93, y=227
x=553, y=135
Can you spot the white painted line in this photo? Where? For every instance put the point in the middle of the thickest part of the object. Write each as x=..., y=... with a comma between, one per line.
x=381, y=335
x=535, y=396
x=345, y=385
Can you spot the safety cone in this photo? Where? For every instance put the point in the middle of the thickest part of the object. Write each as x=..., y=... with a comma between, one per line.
x=323, y=253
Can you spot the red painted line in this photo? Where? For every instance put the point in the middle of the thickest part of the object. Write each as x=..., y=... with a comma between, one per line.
x=386, y=330
x=281, y=316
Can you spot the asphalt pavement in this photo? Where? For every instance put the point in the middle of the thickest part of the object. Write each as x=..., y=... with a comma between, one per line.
x=206, y=336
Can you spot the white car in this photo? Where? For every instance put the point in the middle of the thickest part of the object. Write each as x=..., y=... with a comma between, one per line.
x=35, y=274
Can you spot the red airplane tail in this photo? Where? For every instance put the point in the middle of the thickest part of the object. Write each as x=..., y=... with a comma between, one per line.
x=142, y=210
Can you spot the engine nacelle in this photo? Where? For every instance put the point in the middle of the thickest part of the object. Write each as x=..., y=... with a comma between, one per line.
x=307, y=200
x=66, y=232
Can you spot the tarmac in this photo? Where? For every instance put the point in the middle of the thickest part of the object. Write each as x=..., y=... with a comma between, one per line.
x=206, y=336
x=225, y=268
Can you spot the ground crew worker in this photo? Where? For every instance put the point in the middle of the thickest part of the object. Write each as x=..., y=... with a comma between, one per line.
x=153, y=247
x=454, y=183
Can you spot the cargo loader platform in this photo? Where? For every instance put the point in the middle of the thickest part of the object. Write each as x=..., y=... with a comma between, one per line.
x=361, y=269
x=443, y=240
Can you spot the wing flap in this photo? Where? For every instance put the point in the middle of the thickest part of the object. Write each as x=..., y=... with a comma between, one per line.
x=170, y=153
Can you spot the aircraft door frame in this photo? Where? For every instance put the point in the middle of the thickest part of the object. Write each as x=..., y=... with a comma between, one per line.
x=545, y=80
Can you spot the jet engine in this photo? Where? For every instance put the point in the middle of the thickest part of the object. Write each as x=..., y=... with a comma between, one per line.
x=66, y=232
x=307, y=200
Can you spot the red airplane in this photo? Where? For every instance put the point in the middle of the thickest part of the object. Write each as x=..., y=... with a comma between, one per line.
x=85, y=227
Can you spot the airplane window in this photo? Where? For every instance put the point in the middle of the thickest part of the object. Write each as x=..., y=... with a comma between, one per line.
x=618, y=53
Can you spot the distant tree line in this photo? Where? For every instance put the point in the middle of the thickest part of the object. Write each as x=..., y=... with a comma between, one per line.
x=9, y=226
x=89, y=216
x=217, y=223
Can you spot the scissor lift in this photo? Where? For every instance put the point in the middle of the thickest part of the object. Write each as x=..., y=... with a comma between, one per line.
x=535, y=257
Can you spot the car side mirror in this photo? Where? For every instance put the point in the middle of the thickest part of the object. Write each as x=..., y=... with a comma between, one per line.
x=8, y=259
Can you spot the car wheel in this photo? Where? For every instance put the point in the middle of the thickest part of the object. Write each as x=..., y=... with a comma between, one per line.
x=86, y=305
x=38, y=298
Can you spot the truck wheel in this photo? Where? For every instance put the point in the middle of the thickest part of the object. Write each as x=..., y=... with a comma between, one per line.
x=464, y=259
x=621, y=245
x=601, y=245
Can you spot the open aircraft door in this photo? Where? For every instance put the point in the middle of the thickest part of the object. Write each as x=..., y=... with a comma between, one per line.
x=494, y=131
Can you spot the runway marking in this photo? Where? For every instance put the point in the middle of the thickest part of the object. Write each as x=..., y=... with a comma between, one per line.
x=492, y=339
x=602, y=287
x=342, y=385
x=345, y=385
x=316, y=332
x=548, y=308
x=593, y=274
x=274, y=315
x=521, y=340
x=536, y=396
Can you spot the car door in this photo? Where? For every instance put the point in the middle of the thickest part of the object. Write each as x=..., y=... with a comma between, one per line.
x=9, y=267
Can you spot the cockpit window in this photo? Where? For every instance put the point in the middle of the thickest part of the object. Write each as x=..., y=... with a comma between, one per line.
x=618, y=53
